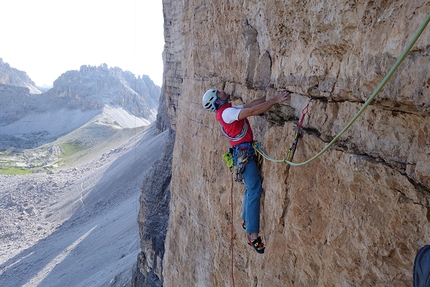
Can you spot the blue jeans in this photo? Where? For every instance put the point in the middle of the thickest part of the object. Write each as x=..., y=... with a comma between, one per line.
x=251, y=198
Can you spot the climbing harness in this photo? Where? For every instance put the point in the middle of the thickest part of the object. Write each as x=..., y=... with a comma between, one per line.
x=242, y=153
x=238, y=156
x=365, y=105
x=229, y=160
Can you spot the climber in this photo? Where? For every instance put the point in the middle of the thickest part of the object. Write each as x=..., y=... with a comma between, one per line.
x=235, y=126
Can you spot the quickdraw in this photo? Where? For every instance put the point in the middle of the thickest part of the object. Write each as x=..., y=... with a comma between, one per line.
x=290, y=152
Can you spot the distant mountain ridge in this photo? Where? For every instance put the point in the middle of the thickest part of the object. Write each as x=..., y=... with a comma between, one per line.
x=92, y=87
x=15, y=77
x=103, y=100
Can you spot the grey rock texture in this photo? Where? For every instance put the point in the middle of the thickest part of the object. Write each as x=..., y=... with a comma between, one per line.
x=15, y=77
x=154, y=211
x=93, y=87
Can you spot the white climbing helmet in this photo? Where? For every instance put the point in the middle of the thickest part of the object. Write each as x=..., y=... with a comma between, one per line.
x=209, y=99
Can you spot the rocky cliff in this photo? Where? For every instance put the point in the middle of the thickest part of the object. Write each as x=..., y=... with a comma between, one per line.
x=18, y=97
x=154, y=211
x=15, y=77
x=357, y=215
x=92, y=87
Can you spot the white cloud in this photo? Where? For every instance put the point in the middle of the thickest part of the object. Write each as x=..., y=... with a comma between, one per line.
x=46, y=38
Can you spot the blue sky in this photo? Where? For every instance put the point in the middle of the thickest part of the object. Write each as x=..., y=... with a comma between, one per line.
x=46, y=38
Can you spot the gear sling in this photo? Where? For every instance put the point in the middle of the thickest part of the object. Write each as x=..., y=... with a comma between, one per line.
x=238, y=156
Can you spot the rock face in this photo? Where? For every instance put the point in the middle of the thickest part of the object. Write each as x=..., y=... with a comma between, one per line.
x=92, y=87
x=153, y=219
x=358, y=214
x=15, y=77
x=154, y=211
x=16, y=103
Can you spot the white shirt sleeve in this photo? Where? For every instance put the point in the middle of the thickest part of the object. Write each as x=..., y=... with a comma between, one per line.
x=230, y=115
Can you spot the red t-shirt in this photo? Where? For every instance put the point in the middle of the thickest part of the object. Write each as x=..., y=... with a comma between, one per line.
x=238, y=131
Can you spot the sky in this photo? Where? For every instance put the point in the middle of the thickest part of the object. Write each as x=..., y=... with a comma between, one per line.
x=46, y=38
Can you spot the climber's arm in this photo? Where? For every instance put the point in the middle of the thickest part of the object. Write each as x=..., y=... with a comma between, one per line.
x=255, y=102
x=262, y=107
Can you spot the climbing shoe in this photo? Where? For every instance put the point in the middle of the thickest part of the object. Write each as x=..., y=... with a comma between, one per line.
x=257, y=244
x=244, y=225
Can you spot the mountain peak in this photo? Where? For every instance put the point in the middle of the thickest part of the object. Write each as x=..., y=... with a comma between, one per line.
x=92, y=87
x=119, y=96
x=15, y=77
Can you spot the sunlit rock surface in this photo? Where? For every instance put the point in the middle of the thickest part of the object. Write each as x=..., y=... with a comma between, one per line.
x=357, y=215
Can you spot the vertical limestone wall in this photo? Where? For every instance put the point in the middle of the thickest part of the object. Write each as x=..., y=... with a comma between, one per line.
x=357, y=215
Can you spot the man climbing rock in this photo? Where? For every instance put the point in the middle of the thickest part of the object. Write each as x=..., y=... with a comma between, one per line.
x=235, y=126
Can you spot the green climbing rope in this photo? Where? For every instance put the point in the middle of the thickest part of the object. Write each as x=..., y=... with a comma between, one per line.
x=369, y=100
